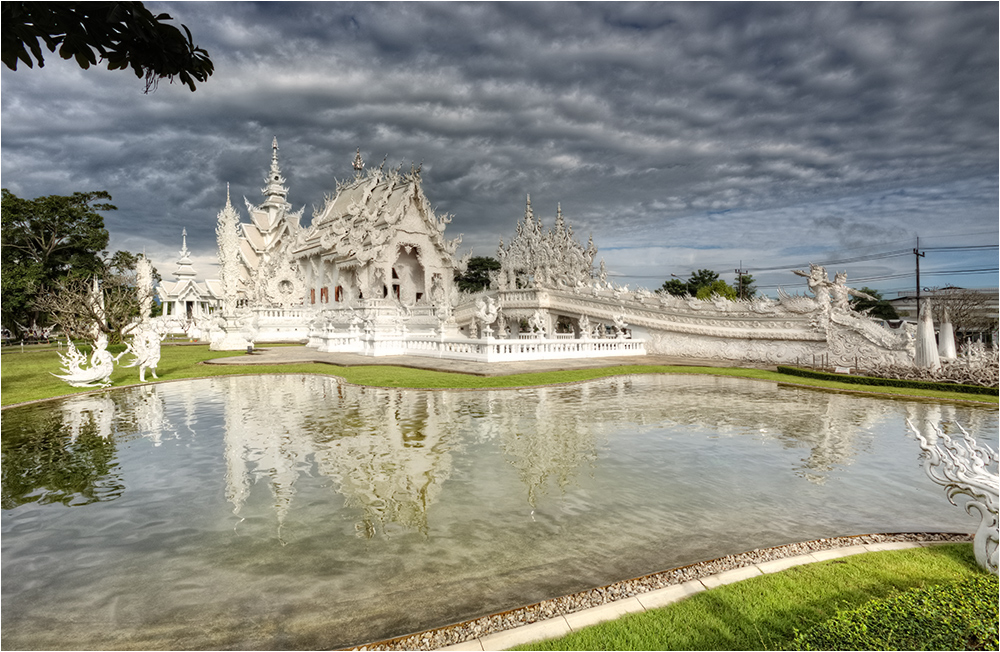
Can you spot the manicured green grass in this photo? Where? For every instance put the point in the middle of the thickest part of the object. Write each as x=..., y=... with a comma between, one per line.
x=958, y=616
x=28, y=376
x=766, y=613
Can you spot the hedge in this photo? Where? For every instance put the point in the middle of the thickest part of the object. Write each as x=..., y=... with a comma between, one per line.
x=960, y=616
x=888, y=382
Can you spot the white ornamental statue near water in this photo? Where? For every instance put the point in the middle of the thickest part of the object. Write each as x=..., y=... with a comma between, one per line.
x=78, y=373
x=144, y=347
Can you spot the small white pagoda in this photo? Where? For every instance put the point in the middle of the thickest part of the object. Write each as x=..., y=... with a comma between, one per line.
x=188, y=303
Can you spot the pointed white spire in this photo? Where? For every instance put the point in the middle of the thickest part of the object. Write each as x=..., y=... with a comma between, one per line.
x=184, y=268
x=926, y=354
x=946, y=337
x=359, y=163
x=276, y=192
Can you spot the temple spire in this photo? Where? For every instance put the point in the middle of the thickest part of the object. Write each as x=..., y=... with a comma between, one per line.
x=184, y=268
x=276, y=192
x=359, y=163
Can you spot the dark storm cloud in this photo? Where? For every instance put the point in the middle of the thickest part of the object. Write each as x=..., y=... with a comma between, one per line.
x=702, y=134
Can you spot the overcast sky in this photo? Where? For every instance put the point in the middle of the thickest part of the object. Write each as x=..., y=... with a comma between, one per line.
x=681, y=136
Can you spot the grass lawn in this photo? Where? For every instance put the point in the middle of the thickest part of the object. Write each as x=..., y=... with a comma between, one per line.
x=28, y=376
x=765, y=613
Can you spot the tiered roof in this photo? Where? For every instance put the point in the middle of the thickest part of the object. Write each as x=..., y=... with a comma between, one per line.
x=184, y=287
x=272, y=224
x=366, y=213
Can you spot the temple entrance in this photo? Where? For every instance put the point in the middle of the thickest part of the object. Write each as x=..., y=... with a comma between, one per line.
x=408, y=275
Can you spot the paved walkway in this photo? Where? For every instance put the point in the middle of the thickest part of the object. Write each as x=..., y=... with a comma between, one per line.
x=301, y=354
x=571, y=622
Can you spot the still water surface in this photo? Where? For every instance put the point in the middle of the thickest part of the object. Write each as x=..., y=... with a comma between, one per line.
x=286, y=512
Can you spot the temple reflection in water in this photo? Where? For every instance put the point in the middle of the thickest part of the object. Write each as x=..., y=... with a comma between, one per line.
x=389, y=452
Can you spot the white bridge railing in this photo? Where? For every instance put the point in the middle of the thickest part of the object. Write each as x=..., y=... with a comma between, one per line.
x=478, y=350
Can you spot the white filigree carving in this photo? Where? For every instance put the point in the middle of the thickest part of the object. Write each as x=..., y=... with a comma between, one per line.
x=77, y=373
x=964, y=467
x=545, y=259
x=228, y=238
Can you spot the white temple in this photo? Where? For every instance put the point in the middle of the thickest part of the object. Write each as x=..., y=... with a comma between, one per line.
x=373, y=273
x=188, y=303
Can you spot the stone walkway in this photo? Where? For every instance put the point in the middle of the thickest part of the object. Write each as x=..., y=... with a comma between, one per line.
x=573, y=622
x=300, y=354
x=562, y=615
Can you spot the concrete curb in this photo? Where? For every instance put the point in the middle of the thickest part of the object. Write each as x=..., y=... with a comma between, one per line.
x=571, y=622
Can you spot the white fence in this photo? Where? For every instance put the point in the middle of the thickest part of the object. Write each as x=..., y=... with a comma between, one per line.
x=477, y=350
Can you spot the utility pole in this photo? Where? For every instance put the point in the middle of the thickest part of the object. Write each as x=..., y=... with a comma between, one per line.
x=739, y=280
x=918, y=255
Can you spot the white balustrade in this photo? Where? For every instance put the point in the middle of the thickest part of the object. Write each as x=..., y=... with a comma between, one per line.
x=479, y=350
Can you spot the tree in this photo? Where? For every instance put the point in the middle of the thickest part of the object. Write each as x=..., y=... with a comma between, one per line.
x=702, y=285
x=971, y=313
x=477, y=275
x=719, y=287
x=47, y=240
x=745, y=286
x=876, y=306
x=700, y=279
x=674, y=286
x=125, y=34
x=73, y=305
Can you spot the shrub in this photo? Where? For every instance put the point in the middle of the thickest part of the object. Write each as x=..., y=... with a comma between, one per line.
x=959, y=616
x=888, y=382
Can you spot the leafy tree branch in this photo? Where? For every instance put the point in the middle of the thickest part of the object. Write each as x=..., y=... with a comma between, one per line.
x=123, y=34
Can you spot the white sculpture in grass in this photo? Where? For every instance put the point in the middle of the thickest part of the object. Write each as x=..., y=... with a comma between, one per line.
x=964, y=467
x=78, y=373
x=145, y=346
x=148, y=333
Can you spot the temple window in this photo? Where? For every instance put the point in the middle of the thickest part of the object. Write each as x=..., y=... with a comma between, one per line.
x=312, y=295
x=338, y=294
x=324, y=295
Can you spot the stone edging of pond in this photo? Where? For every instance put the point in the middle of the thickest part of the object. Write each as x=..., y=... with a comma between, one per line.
x=559, y=616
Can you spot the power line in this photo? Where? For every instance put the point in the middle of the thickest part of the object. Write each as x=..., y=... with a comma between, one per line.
x=856, y=259
x=963, y=271
x=887, y=277
x=965, y=248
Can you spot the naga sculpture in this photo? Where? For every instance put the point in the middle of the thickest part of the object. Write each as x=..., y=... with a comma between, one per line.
x=98, y=374
x=964, y=467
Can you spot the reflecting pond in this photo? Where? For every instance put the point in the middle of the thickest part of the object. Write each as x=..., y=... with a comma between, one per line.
x=284, y=512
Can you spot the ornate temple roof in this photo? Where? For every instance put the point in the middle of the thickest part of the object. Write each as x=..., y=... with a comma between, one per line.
x=184, y=287
x=272, y=223
x=365, y=213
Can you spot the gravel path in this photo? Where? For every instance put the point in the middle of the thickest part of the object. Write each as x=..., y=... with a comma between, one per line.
x=480, y=627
